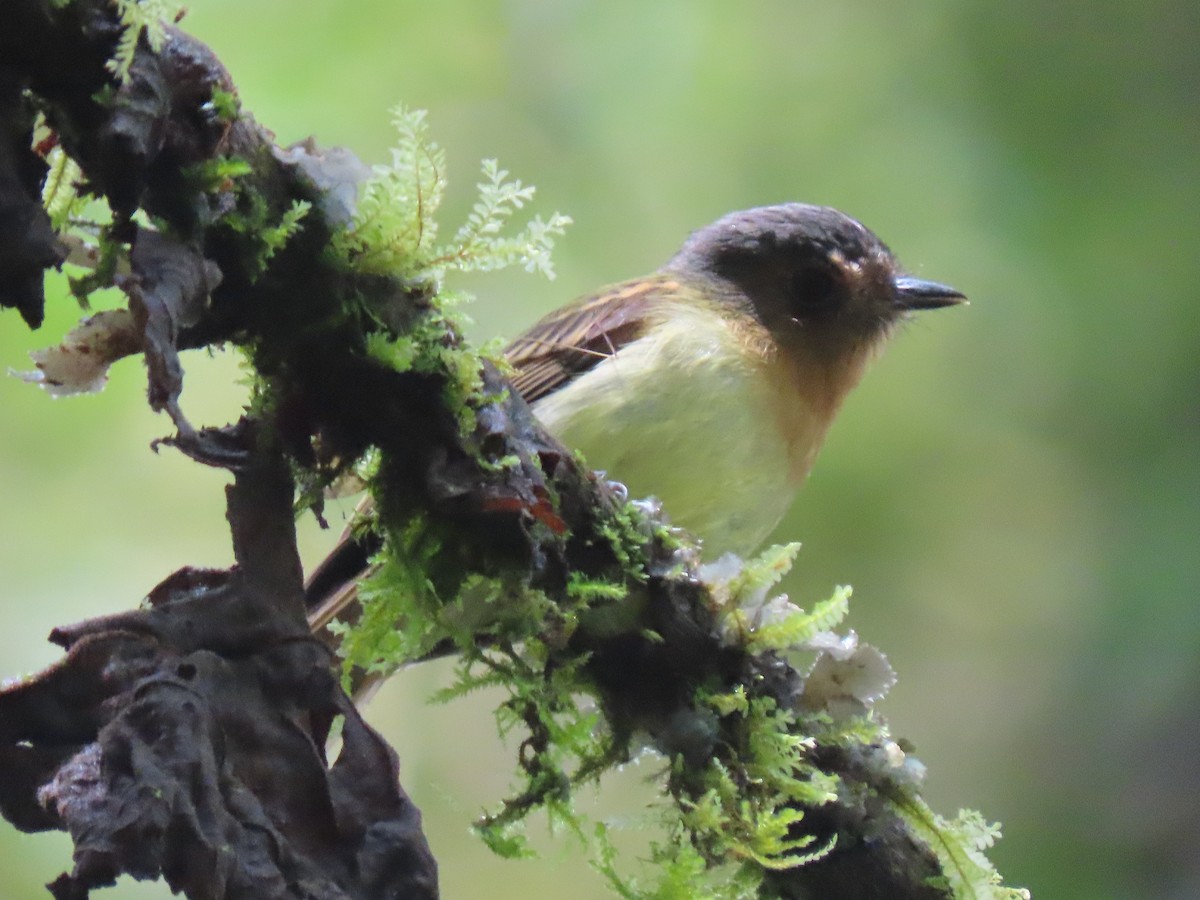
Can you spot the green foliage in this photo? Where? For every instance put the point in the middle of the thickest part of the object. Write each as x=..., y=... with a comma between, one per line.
x=522, y=654
x=60, y=194
x=728, y=819
x=958, y=844
x=733, y=820
x=217, y=173
x=479, y=245
x=274, y=237
x=627, y=531
x=395, y=226
x=262, y=231
x=394, y=231
x=138, y=17
x=748, y=617
x=432, y=346
x=796, y=626
x=680, y=872
x=225, y=104
x=739, y=812
x=563, y=747
x=588, y=591
x=397, y=592
x=510, y=637
x=110, y=255
x=746, y=804
x=90, y=242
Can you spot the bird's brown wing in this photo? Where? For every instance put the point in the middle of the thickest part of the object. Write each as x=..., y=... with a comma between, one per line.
x=573, y=339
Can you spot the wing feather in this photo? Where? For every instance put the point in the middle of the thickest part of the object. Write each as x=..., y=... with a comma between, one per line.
x=573, y=339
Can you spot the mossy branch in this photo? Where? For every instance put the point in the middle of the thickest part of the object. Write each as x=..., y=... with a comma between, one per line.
x=490, y=535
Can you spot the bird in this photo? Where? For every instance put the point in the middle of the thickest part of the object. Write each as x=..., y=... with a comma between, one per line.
x=711, y=383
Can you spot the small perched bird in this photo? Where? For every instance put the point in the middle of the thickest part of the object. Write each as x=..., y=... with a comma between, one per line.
x=712, y=383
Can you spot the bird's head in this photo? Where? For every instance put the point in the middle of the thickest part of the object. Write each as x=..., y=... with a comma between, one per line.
x=810, y=274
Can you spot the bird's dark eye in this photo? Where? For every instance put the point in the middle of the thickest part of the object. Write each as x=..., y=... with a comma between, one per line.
x=815, y=290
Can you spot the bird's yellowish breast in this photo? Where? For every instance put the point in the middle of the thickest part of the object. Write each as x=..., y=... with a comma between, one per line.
x=703, y=415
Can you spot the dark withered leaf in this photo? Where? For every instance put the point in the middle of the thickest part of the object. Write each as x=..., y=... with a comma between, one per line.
x=28, y=245
x=168, y=291
x=186, y=741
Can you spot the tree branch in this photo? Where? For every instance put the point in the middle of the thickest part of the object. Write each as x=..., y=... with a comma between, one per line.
x=186, y=741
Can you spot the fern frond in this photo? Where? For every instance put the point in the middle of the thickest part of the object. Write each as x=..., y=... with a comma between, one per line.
x=60, y=194
x=139, y=17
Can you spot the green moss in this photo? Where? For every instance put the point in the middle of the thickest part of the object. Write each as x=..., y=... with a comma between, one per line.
x=216, y=174
x=563, y=746
x=274, y=237
x=139, y=17
x=679, y=870
x=225, y=104
x=400, y=606
x=111, y=253
x=959, y=845
x=395, y=228
x=256, y=228
x=60, y=193
x=742, y=807
x=627, y=531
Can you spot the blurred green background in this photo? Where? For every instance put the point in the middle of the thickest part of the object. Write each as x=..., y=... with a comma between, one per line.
x=1013, y=491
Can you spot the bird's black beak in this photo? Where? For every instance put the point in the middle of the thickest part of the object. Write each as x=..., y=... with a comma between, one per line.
x=916, y=293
